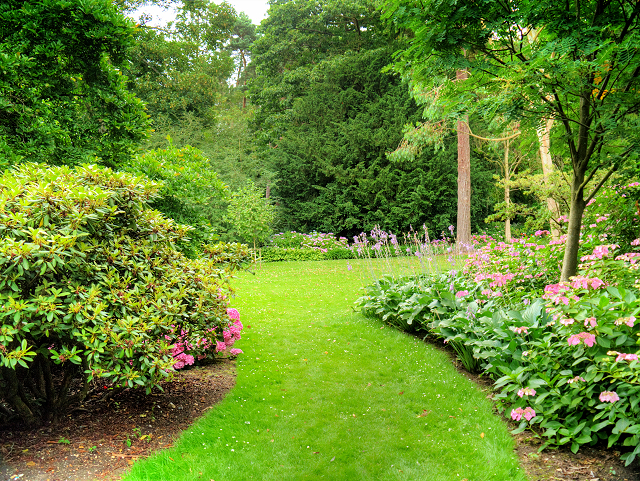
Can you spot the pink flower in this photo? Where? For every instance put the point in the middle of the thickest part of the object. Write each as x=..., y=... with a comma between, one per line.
x=609, y=397
x=521, y=330
x=635, y=242
x=529, y=413
x=622, y=356
x=462, y=293
x=220, y=346
x=233, y=313
x=629, y=321
x=575, y=379
x=590, y=321
x=528, y=391
x=235, y=352
x=516, y=414
x=588, y=339
x=567, y=322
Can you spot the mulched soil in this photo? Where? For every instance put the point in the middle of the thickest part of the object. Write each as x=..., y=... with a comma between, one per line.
x=102, y=438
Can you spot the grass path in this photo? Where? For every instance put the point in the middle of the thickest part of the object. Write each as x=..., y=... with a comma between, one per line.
x=324, y=393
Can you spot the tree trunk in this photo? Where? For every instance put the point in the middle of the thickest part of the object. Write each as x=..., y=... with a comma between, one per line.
x=544, y=139
x=464, y=181
x=570, y=260
x=507, y=193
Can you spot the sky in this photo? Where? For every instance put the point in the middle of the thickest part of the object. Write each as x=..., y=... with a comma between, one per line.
x=256, y=10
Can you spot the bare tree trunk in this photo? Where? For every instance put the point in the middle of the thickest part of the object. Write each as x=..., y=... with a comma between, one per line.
x=464, y=180
x=544, y=139
x=570, y=259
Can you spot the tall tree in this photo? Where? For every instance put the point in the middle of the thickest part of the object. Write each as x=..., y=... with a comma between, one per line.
x=328, y=115
x=181, y=70
x=581, y=68
x=63, y=98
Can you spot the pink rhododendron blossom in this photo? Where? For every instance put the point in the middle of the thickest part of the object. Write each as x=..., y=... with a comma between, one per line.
x=609, y=397
x=233, y=313
x=220, y=346
x=235, y=352
x=527, y=391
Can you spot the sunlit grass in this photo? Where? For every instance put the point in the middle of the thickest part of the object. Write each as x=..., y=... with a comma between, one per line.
x=324, y=393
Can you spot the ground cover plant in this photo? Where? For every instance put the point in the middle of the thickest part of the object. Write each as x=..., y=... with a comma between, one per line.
x=93, y=291
x=324, y=392
x=563, y=355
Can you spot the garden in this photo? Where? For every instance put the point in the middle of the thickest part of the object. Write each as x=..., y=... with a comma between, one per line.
x=388, y=239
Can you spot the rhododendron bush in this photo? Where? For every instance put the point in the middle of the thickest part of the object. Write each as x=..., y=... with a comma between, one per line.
x=92, y=289
x=564, y=356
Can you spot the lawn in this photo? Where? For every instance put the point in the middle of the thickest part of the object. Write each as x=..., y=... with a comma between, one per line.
x=325, y=393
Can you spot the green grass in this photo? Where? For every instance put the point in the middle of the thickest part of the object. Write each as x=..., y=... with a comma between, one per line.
x=324, y=393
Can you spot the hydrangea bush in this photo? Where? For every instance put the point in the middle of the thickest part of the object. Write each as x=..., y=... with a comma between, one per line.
x=564, y=356
x=92, y=288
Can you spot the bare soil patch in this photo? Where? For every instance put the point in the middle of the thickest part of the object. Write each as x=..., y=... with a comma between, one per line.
x=101, y=438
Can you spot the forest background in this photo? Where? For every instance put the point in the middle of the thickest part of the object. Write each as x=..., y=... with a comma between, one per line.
x=309, y=112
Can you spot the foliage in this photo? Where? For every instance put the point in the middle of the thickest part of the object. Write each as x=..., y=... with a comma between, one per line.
x=63, y=98
x=529, y=62
x=327, y=117
x=563, y=356
x=613, y=216
x=314, y=240
x=92, y=288
x=181, y=70
x=251, y=214
x=191, y=191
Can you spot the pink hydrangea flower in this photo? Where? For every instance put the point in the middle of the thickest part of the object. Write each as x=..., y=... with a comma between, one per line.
x=576, y=379
x=462, y=293
x=609, y=397
x=521, y=330
x=590, y=321
x=527, y=391
x=620, y=356
x=516, y=414
x=529, y=413
x=629, y=321
x=567, y=322
x=588, y=339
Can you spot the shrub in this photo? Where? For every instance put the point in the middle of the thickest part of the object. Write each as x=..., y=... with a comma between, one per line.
x=315, y=246
x=191, y=192
x=92, y=288
x=564, y=356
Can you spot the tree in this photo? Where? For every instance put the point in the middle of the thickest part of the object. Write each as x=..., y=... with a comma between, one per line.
x=580, y=67
x=251, y=214
x=63, y=98
x=181, y=70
